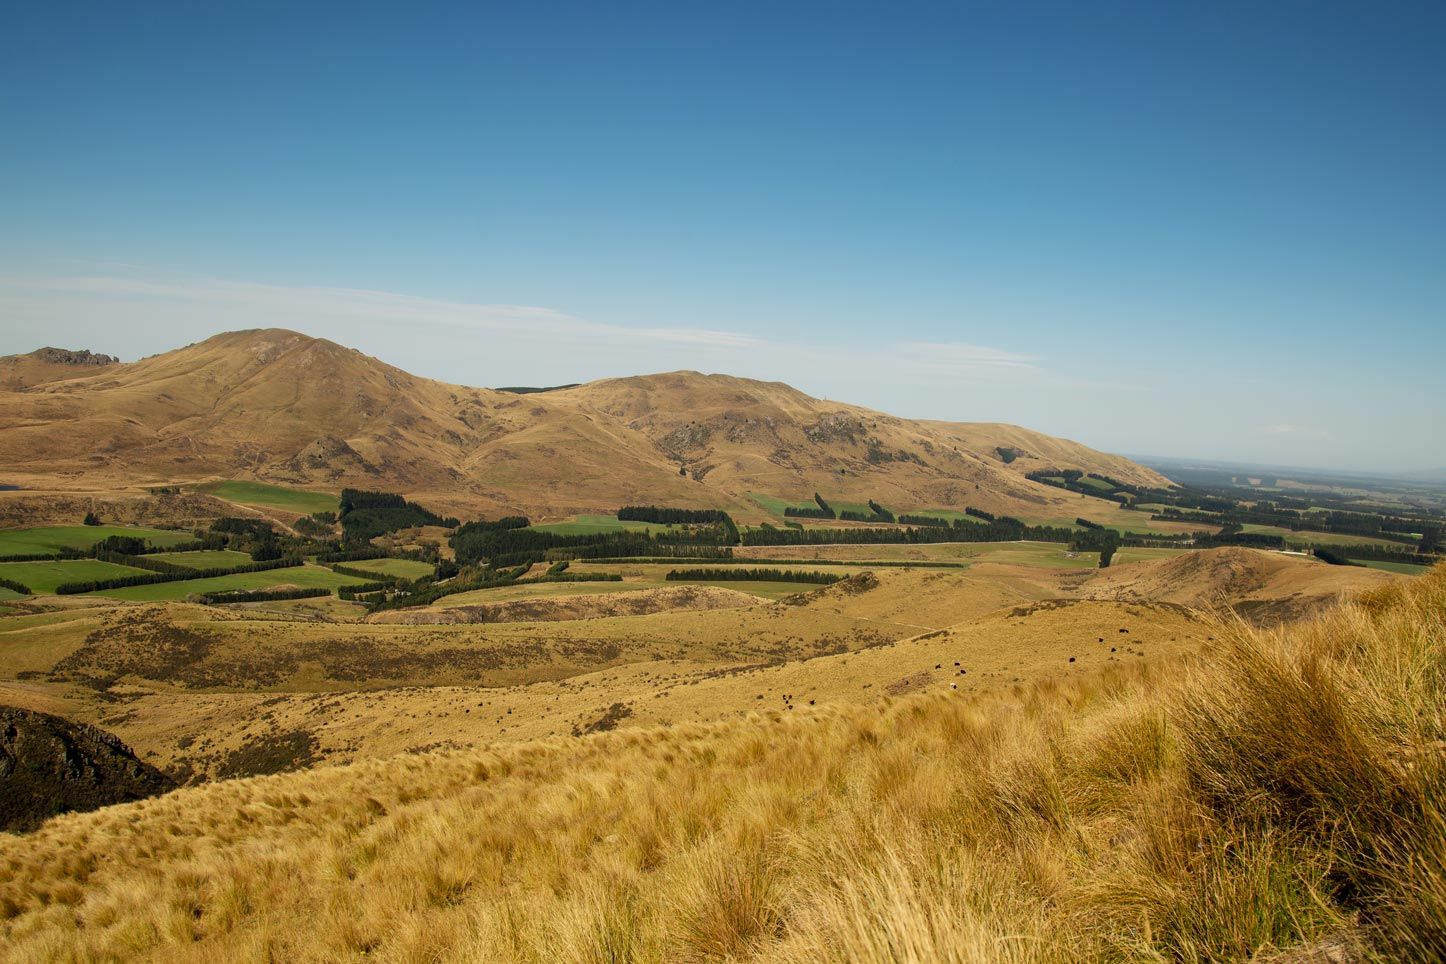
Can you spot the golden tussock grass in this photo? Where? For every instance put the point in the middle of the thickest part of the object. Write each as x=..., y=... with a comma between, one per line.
x=1284, y=792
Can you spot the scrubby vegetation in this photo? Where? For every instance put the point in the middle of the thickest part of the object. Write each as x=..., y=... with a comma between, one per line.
x=1286, y=792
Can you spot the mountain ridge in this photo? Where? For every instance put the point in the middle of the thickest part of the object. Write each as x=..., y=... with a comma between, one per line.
x=279, y=406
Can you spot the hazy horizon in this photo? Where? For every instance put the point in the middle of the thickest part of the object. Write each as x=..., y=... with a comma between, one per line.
x=1212, y=234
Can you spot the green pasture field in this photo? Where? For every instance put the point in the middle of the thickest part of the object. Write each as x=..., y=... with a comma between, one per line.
x=41, y=539
x=593, y=524
x=1403, y=568
x=306, y=577
x=43, y=577
x=1306, y=538
x=949, y=515
x=299, y=501
x=402, y=568
x=1049, y=555
x=204, y=558
x=776, y=505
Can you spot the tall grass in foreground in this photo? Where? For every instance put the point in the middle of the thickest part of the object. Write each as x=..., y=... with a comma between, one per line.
x=1284, y=792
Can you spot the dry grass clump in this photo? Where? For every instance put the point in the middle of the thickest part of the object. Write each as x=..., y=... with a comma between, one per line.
x=1282, y=793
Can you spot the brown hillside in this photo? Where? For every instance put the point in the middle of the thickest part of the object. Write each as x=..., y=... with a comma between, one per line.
x=1265, y=587
x=282, y=407
x=18, y=372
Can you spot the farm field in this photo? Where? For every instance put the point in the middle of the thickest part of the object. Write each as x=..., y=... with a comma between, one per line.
x=591, y=524
x=300, y=501
x=1099, y=485
x=635, y=576
x=42, y=539
x=775, y=505
x=306, y=576
x=402, y=568
x=203, y=558
x=1043, y=554
x=1114, y=516
x=1128, y=554
x=44, y=577
x=1307, y=538
x=1402, y=568
x=951, y=515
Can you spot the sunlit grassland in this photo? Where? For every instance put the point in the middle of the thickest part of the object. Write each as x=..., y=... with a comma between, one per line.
x=44, y=577
x=300, y=501
x=48, y=539
x=403, y=568
x=593, y=524
x=203, y=558
x=1275, y=796
x=306, y=577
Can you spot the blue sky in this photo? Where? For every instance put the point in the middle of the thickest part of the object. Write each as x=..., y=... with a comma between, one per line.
x=1196, y=230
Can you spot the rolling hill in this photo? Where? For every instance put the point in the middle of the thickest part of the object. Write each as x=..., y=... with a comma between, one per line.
x=1275, y=797
x=278, y=406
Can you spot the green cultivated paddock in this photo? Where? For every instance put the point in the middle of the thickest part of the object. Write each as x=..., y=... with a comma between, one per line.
x=592, y=524
x=1404, y=568
x=401, y=568
x=306, y=577
x=1306, y=538
x=204, y=558
x=272, y=496
x=43, y=577
x=767, y=590
x=42, y=539
x=776, y=505
x=948, y=515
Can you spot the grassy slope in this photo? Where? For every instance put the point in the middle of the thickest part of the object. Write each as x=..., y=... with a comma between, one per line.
x=1307, y=538
x=272, y=496
x=204, y=558
x=1284, y=792
x=43, y=577
x=405, y=568
x=1048, y=555
x=304, y=576
x=1402, y=568
x=24, y=542
x=590, y=524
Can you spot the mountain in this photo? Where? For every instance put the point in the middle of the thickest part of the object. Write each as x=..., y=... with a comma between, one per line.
x=280, y=406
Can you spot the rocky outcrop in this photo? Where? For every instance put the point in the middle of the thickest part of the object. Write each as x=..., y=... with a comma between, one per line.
x=49, y=765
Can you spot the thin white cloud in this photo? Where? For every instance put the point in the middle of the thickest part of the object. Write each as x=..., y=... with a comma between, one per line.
x=512, y=343
x=305, y=307
x=952, y=356
x=1286, y=428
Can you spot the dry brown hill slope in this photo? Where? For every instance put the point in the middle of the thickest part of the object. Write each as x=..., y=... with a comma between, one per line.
x=18, y=372
x=279, y=406
x=1265, y=587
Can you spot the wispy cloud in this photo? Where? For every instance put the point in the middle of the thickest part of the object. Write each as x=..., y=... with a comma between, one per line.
x=488, y=342
x=1301, y=431
x=293, y=306
x=955, y=357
